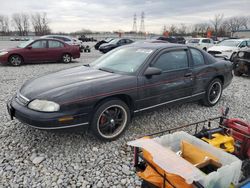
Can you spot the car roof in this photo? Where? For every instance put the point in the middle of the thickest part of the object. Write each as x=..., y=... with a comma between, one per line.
x=47, y=36
x=159, y=45
x=200, y=38
x=237, y=39
x=49, y=39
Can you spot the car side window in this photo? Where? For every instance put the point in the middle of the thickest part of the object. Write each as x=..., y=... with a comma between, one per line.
x=243, y=44
x=172, y=60
x=205, y=41
x=40, y=44
x=55, y=44
x=248, y=43
x=198, y=58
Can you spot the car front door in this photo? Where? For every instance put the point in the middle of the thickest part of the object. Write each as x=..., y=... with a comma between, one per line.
x=173, y=84
x=37, y=51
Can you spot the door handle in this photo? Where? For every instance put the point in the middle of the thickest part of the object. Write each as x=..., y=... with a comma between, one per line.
x=188, y=74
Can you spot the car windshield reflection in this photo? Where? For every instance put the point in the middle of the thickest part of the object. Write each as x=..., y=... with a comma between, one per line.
x=124, y=60
x=24, y=44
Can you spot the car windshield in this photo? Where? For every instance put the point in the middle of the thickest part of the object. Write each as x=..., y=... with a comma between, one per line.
x=232, y=43
x=124, y=60
x=108, y=39
x=24, y=44
x=193, y=40
x=114, y=41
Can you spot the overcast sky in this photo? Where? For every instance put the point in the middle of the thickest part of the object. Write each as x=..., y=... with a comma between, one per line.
x=110, y=15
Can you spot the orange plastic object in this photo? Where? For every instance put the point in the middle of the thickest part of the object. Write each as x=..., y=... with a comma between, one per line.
x=150, y=175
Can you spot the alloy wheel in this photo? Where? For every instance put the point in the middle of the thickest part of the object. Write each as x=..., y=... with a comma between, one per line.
x=214, y=92
x=112, y=121
x=66, y=58
x=15, y=60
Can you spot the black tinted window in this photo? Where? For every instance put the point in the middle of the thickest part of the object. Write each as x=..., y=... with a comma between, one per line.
x=39, y=44
x=206, y=41
x=172, y=60
x=243, y=44
x=198, y=58
x=55, y=44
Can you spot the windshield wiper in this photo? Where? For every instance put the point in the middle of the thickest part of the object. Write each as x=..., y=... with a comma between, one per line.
x=86, y=65
x=106, y=70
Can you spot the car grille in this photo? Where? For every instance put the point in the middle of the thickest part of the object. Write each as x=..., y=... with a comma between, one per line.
x=214, y=52
x=22, y=100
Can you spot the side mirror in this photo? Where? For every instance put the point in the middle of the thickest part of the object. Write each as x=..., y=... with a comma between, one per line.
x=29, y=47
x=150, y=71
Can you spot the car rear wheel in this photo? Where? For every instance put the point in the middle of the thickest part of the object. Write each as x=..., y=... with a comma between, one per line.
x=66, y=58
x=110, y=119
x=213, y=93
x=15, y=60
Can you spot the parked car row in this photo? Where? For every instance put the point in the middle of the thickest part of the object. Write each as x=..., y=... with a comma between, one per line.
x=104, y=95
x=40, y=50
x=20, y=39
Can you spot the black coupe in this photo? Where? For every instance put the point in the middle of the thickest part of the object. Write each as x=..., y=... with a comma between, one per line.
x=106, y=47
x=105, y=94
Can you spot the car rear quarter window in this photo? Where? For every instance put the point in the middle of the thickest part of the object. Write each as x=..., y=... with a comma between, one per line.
x=198, y=58
x=55, y=44
x=172, y=60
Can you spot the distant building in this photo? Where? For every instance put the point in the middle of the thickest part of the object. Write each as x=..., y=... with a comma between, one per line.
x=243, y=33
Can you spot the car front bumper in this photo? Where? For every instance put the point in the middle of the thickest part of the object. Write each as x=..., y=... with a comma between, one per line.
x=4, y=59
x=45, y=120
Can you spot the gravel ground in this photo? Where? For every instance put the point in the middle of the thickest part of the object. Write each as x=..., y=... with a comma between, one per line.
x=74, y=158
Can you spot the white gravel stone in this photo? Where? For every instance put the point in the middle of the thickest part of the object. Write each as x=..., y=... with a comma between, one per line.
x=38, y=160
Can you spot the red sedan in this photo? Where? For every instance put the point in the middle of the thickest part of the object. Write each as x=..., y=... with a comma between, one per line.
x=40, y=50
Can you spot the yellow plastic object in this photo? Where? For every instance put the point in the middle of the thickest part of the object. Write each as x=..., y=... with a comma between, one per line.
x=224, y=142
x=194, y=154
x=150, y=175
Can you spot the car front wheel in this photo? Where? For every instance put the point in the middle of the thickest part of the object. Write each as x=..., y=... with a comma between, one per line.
x=15, y=60
x=213, y=93
x=66, y=58
x=110, y=119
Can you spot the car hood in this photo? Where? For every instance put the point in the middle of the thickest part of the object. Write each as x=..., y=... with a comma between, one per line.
x=10, y=49
x=107, y=44
x=222, y=48
x=66, y=82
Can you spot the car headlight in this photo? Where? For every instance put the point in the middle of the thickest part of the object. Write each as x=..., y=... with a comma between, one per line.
x=3, y=53
x=44, y=106
x=241, y=54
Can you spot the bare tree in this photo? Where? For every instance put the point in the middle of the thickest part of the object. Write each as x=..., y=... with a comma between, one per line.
x=173, y=30
x=200, y=29
x=21, y=23
x=40, y=23
x=216, y=22
x=182, y=29
x=4, y=25
x=235, y=23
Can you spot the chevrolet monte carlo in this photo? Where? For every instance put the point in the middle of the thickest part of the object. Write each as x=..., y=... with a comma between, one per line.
x=104, y=95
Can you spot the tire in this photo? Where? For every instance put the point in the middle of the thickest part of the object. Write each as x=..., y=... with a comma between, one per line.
x=15, y=60
x=107, y=117
x=237, y=73
x=213, y=93
x=205, y=49
x=66, y=58
x=233, y=57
